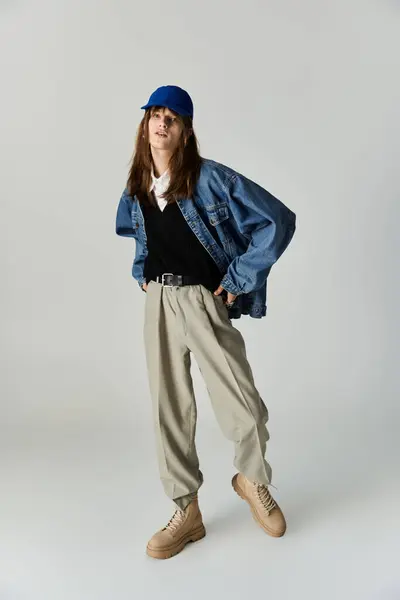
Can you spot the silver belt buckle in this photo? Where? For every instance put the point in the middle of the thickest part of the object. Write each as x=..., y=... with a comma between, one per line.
x=163, y=279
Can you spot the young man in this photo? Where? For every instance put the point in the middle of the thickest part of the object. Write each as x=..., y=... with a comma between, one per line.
x=206, y=238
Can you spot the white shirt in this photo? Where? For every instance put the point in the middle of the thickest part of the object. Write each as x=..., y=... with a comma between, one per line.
x=160, y=185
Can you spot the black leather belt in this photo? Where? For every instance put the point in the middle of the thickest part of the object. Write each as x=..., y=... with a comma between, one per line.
x=169, y=279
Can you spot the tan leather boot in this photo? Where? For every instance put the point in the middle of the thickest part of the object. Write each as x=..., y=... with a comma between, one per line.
x=184, y=526
x=265, y=510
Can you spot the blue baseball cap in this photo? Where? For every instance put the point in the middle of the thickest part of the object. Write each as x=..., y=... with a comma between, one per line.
x=172, y=97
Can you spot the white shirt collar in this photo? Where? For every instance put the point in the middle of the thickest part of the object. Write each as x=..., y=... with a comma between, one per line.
x=159, y=182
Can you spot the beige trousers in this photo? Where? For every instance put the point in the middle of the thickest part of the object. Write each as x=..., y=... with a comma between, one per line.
x=178, y=321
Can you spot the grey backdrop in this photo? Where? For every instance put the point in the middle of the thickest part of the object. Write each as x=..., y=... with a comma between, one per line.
x=302, y=97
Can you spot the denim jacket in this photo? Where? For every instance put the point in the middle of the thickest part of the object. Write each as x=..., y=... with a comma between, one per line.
x=243, y=227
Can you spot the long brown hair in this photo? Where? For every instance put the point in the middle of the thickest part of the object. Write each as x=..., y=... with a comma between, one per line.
x=184, y=165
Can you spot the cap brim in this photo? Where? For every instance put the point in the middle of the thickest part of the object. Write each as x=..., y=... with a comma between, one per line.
x=175, y=109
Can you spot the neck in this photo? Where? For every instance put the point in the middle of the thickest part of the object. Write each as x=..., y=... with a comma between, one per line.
x=160, y=161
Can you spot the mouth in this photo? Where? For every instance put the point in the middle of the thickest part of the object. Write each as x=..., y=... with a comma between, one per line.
x=161, y=134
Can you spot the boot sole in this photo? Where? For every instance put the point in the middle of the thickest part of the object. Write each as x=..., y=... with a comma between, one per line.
x=240, y=492
x=192, y=536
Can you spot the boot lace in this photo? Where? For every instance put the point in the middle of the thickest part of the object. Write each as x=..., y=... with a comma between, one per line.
x=175, y=521
x=265, y=497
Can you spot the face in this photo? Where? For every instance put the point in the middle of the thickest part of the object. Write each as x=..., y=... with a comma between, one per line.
x=165, y=130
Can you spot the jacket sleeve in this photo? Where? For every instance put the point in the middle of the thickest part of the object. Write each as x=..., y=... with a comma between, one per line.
x=123, y=224
x=138, y=264
x=124, y=227
x=269, y=225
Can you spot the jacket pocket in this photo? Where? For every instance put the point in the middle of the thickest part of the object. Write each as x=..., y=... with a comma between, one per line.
x=217, y=213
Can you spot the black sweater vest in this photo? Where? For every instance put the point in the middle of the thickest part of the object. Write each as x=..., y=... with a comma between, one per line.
x=174, y=248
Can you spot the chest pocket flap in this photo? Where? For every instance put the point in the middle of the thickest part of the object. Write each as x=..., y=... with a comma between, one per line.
x=217, y=213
